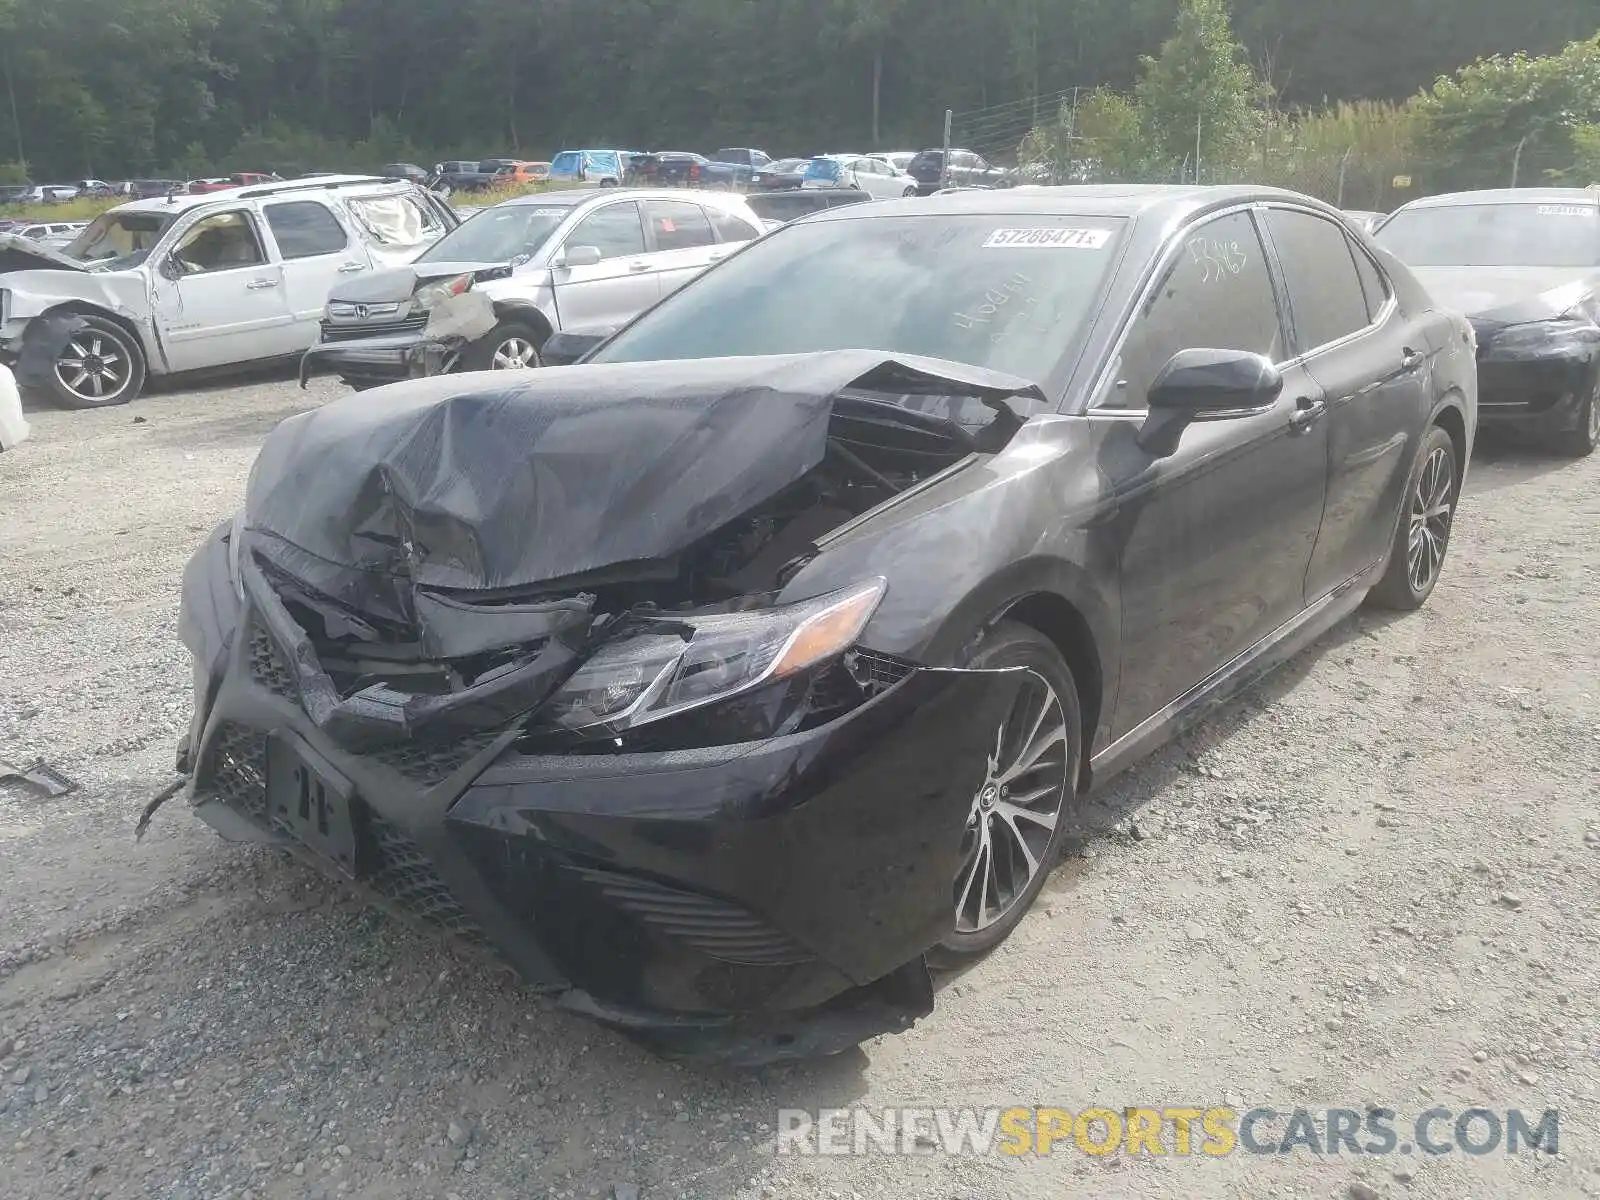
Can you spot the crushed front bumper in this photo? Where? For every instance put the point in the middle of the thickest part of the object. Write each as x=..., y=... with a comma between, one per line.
x=1540, y=390
x=385, y=359
x=746, y=902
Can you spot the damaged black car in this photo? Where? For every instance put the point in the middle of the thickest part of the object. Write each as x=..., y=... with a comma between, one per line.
x=1524, y=266
x=733, y=682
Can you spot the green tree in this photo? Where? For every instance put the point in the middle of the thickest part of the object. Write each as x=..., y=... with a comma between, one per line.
x=1199, y=96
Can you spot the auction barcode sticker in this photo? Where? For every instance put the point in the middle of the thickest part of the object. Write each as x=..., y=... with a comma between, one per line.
x=1048, y=238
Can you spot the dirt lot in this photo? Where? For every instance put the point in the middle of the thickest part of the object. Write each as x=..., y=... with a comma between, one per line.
x=1372, y=881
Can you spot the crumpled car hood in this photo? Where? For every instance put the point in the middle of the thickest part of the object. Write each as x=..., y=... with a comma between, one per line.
x=18, y=253
x=398, y=283
x=501, y=480
x=1506, y=295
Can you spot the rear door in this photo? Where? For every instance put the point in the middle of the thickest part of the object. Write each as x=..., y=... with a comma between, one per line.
x=1370, y=360
x=683, y=241
x=228, y=304
x=1216, y=537
x=317, y=251
x=621, y=284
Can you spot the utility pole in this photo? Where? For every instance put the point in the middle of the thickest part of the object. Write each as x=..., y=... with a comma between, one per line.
x=1343, y=163
x=1199, y=117
x=16, y=120
x=944, y=167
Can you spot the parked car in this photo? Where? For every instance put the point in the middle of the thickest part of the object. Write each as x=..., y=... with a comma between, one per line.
x=967, y=169
x=410, y=172
x=149, y=189
x=521, y=173
x=14, y=193
x=44, y=231
x=900, y=160
x=188, y=282
x=782, y=207
x=871, y=175
x=60, y=233
x=603, y=168
x=782, y=175
x=659, y=672
x=94, y=187
x=745, y=161
x=682, y=168
x=1524, y=266
x=462, y=176
x=223, y=183
x=45, y=193
x=489, y=295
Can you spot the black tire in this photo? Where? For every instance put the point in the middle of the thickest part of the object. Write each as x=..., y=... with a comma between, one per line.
x=113, y=360
x=1009, y=644
x=1581, y=441
x=482, y=354
x=1407, y=581
x=909, y=192
x=608, y=183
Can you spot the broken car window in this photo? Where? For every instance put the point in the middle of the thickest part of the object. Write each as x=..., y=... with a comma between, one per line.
x=396, y=220
x=940, y=286
x=1495, y=235
x=119, y=240
x=221, y=242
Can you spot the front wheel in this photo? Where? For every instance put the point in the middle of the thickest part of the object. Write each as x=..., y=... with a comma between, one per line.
x=1020, y=813
x=510, y=346
x=1423, y=536
x=100, y=365
x=1580, y=442
x=910, y=191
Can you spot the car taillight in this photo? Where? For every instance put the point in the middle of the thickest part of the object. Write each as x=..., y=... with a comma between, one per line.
x=694, y=170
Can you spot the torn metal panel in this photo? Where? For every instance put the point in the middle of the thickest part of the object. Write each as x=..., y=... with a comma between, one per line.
x=41, y=777
x=463, y=318
x=18, y=253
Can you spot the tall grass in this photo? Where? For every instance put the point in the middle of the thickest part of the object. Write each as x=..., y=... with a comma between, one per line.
x=71, y=210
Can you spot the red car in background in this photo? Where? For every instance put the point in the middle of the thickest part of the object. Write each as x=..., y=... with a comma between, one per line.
x=200, y=187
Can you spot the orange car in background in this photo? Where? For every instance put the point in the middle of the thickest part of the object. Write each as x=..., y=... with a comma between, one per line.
x=522, y=172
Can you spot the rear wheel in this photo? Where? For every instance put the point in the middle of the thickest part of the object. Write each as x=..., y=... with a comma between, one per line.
x=510, y=346
x=1020, y=812
x=100, y=365
x=1417, y=556
x=1581, y=441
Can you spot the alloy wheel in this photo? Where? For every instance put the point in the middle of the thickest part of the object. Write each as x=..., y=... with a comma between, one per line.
x=1015, y=812
x=93, y=366
x=514, y=354
x=1594, y=414
x=1430, y=519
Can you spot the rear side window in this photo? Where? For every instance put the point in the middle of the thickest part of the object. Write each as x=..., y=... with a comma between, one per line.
x=1325, y=293
x=1217, y=294
x=1373, y=285
x=305, y=229
x=679, y=225
x=731, y=227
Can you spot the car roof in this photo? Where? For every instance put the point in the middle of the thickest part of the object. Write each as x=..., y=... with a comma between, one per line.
x=1161, y=201
x=575, y=196
x=1547, y=195
x=182, y=202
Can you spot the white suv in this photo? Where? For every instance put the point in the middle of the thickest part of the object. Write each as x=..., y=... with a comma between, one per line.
x=191, y=282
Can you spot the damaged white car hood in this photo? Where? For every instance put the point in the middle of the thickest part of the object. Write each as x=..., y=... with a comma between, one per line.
x=33, y=292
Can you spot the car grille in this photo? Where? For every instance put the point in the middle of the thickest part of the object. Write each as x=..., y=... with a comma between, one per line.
x=237, y=771
x=428, y=763
x=267, y=666
x=715, y=928
x=404, y=875
x=879, y=671
x=346, y=333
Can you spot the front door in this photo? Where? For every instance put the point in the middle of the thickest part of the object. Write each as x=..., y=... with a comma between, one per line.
x=228, y=303
x=621, y=284
x=683, y=241
x=1214, y=538
x=317, y=251
x=1370, y=362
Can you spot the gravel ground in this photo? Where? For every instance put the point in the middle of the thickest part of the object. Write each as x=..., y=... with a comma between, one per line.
x=1372, y=880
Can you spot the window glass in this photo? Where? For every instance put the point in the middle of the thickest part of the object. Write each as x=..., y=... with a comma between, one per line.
x=679, y=225
x=1217, y=295
x=397, y=219
x=731, y=227
x=1324, y=290
x=614, y=230
x=220, y=242
x=1516, y=234
x=304, y=229
x=1373, y=285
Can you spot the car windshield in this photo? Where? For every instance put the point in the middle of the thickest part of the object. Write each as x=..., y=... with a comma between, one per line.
x=1495, y=235
x=499, y=235
x=119, y=239
x=822, y=168
x=1006, y=293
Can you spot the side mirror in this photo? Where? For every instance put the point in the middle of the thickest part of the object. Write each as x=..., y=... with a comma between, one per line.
x=1205, y=385
x=569, y=345
x=169, y=269
x=581, y=256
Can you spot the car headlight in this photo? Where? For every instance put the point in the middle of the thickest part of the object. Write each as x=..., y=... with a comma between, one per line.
x=676, y=664
x=234, y=536
x=434, y=294
x=1573, y=329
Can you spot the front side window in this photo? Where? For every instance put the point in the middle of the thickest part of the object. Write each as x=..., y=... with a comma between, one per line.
x=678, y=225
x=305, y=229
x=1216, y=294
x=119, y=239
x=1008, y=293
x=1320, y=275
x=613, y=230
x=221, y=242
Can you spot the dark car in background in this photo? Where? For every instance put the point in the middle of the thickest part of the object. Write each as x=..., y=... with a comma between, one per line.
x=405, y=170
x=745, y=161
x=780, y=175
x=791, y=205
x=683, y=168
x=1524, y=266
x=967, y=169
x=732, y=679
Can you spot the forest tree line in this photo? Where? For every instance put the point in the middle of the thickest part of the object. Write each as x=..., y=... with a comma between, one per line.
x=124, y=88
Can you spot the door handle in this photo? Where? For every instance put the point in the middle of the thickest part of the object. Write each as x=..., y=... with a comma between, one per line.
x=1306, y=413
x=1412, y=359
x=717, y=255
x=638, y=266
x=348, y=268
x=260, y=284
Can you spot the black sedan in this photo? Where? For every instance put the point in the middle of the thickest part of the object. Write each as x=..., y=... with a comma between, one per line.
x=734, y=680
x=1524, y=266
x=783, y=175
